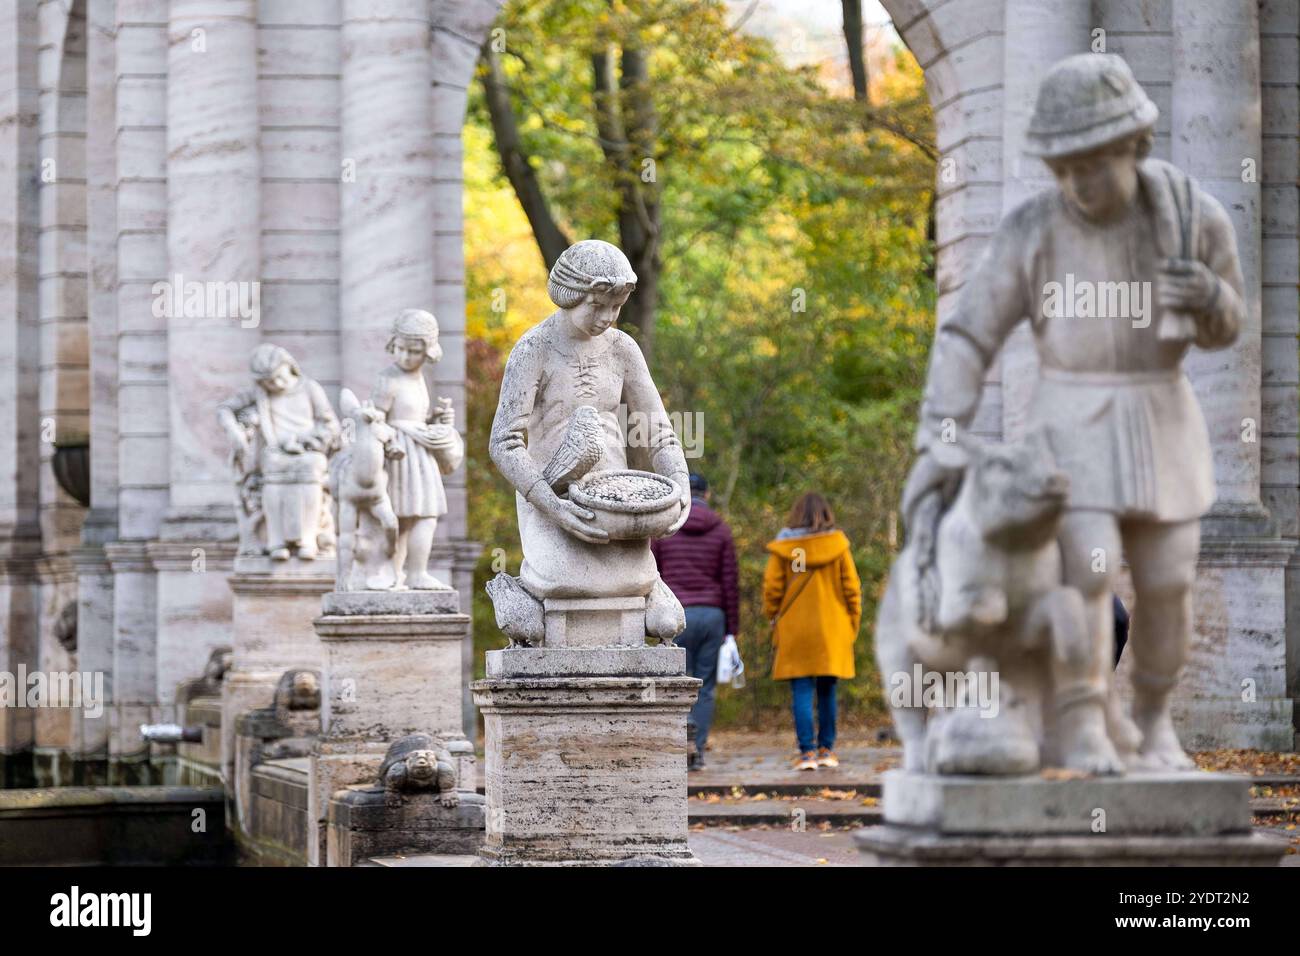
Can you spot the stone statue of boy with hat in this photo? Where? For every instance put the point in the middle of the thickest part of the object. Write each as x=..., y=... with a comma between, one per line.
x=1119, y=270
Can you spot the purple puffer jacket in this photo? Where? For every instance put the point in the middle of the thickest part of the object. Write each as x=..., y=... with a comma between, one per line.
x=698, y=563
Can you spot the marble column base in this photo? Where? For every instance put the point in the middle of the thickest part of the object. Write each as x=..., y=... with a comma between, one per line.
x=1157, y=819
x=392, y=668
x=586, y=752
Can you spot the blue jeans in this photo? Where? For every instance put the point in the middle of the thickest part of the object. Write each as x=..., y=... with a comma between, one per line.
x=802, y=693
x=706, y=627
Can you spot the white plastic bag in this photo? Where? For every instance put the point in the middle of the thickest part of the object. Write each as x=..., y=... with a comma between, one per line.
x=731, y=669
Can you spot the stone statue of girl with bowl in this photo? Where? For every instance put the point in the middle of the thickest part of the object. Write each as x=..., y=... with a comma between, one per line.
x=586, y=514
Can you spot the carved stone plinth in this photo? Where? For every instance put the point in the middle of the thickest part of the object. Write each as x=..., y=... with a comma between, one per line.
x=364, y=823
x=1144, y=819
x=274, y=605
x=586, y=745
x=392, y=667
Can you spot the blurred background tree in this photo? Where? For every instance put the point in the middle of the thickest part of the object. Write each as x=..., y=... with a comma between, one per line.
x=775, y=197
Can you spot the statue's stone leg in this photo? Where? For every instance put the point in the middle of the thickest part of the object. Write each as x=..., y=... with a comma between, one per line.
x=275, y=501
x=307, y=518
x=1163, y=562
x=392, y=668
x=586, y=743
x=1081, y=669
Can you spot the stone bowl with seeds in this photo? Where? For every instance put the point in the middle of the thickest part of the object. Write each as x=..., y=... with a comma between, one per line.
x=628, y=504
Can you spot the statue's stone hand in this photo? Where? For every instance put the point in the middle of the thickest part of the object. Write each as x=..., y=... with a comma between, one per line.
x=683, y=498
x=573, y=518
x=1186, y=285
x=291, y=446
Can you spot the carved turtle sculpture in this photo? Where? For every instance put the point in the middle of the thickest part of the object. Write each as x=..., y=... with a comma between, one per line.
x=418, y=762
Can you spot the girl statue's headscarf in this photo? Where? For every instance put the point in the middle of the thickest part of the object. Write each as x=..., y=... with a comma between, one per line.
x=586, y=267
x=417, y=324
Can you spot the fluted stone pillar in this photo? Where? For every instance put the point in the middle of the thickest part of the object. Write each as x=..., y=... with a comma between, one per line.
x=140, y=84
x=386, y=241
x=213, y=238
x=1233, y=692
x=133, y=694
x=94, y=574
x=19, y=421
x=1215, y=137
x=1039, y=34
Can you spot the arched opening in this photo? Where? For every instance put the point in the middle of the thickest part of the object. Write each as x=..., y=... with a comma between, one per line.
x=792, y=205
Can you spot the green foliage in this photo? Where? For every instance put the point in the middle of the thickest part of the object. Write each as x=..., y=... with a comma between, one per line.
x=796, y=292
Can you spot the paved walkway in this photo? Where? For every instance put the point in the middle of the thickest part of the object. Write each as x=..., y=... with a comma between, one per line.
x=733, y=847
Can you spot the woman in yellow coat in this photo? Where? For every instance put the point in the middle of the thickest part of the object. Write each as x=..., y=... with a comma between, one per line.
x=812, y=594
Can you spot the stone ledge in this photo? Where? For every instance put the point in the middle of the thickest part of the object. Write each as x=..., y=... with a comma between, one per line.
x=891, y=845
x=1173, y=804
x=556, y=695
x=363, y=603
x=392, y=627
x=562, y=662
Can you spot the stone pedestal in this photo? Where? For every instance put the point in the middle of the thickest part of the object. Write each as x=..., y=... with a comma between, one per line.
x=275, y=603
x=366, y=822
x=586, y=743
x=392, y=668
x=1147, y=819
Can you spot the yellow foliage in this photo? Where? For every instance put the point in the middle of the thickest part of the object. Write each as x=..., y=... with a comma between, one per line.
x=505, y=289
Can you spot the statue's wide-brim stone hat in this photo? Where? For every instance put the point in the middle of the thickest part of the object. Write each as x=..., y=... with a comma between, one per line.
x=1085, y=102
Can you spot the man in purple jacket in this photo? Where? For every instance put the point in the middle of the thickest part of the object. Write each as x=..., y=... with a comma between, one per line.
x=698, y=564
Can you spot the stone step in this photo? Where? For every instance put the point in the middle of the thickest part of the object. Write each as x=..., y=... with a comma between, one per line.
x=797, y=784
x=749, y=812
x=784, y=813
x=802, y=786
x=422, y=859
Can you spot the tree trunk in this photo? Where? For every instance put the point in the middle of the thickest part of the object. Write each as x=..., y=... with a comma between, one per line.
x=628, y=128
x=857, y=56
x=515, y=161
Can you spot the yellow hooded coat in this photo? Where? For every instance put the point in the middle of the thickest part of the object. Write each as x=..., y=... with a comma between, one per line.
x=820, y=606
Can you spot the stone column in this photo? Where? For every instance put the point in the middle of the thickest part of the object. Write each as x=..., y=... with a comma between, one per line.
x=94, y=655
x=392, y=668
x=213, y=249
x=140, y=82
x=133, y=693
x=94, y=574
x=1039, y=34
x=386, y=247
x=585, y=744
x=213, y=238
x=19, y=421
x=1215, y=137
x=1233, y=691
